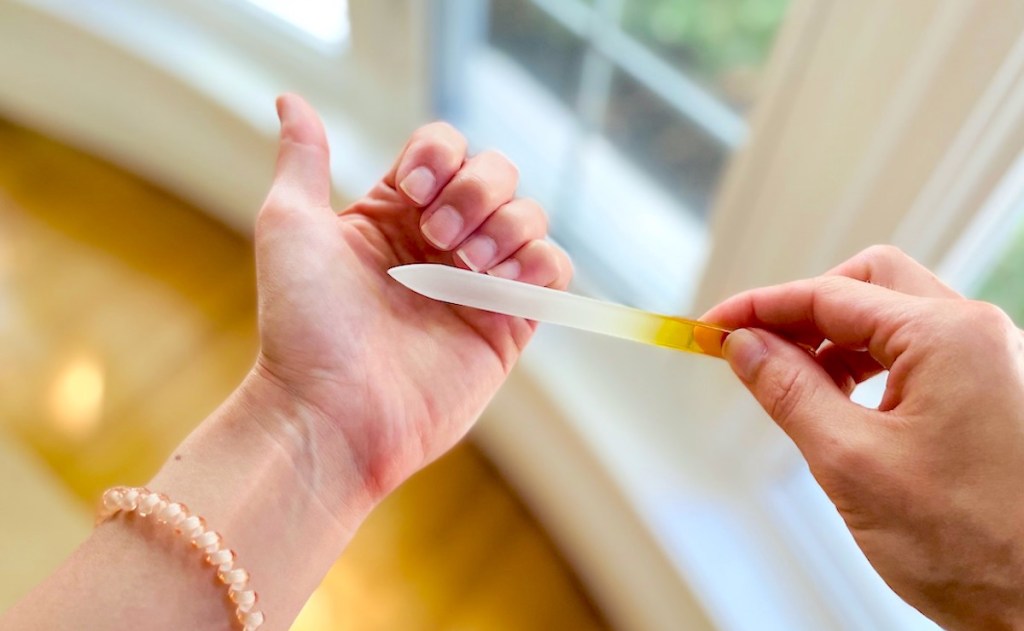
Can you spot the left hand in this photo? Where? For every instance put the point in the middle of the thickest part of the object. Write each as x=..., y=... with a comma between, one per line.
x=390, y=378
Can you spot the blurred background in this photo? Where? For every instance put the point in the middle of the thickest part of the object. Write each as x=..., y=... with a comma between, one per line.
x=685, y=149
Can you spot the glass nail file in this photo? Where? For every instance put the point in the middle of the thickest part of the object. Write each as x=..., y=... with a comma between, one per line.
x=509, y=297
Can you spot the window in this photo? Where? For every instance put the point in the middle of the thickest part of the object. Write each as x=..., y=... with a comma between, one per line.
x=985, y=261
x=623, y=112
x=1003, y=283
x=325, y=20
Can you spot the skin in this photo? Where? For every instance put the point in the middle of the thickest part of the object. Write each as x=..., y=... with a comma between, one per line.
x=929, y=483
x=359, y=383
x=390, y=379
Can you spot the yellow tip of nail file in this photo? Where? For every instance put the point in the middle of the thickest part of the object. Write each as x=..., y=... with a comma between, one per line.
x=509, y=297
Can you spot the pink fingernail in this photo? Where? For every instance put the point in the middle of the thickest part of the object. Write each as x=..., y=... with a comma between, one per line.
x=509, y=269
x=478, y=252
x=419, y=185
x=442, y=227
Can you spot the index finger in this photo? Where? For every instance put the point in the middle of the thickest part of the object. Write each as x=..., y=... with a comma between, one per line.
x=890, y=267
x=850, y=313
x=428, y=161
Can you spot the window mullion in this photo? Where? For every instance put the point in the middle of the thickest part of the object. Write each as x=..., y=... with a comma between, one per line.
x=591, y=106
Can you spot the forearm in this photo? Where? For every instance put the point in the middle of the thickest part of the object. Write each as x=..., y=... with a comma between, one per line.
x=261, y=482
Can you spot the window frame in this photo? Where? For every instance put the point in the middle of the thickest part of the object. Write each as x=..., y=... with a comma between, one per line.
x=673, y=269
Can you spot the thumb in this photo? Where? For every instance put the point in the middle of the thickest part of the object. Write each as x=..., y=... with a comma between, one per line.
x=302, y=177
x=788, y=383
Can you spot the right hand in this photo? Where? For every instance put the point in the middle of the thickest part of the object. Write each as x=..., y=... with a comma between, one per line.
x=931, y=484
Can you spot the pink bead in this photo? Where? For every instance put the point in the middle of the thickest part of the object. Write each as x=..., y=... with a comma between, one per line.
x=171, y=514
x=236, y=578
x=208, y=542
x=112, y=500
x=148, y=504
x=245, y=599
x=224, y=559
x=251, y=620
x=130, y=500
x=191, y=527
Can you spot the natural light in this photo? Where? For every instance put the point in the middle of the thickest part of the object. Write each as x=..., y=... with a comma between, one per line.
x=326, y=20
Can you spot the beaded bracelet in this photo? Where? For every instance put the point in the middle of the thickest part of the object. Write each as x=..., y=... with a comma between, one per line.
x=146, y=503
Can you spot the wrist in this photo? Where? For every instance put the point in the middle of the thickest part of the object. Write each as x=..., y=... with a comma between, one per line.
x=260, y=474
x=324, y=466
x=279, y=503
x=338, y=432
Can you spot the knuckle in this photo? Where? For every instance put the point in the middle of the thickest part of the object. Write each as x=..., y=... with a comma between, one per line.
x=470, y=189
x=438, y=130
x=550, y=262
x=277, y=206
x=564, y=263
x=447, y=129
x=500, y=160
x=527, y=211
x=987, y=315
x=832, y=285
x=433, y=150
x=523, y=232
x=884, y=253
x=275, y=214
x=530, y=205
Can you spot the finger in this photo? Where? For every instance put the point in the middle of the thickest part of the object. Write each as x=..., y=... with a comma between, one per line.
x=302, y=178
x=791, y=387
x=505, y=231
x=432, y=156
x=850, y=313
x=738, y=312
x=888, y=266
x=885, y=266
x=848, y=368
x=538, y=262
x=484, y=183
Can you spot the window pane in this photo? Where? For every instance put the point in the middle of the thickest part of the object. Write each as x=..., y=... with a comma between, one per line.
x=545, y=48
x=629, y=122
x=723, y=43
x=675, y=152
x=325, y=20
x=1004, y=284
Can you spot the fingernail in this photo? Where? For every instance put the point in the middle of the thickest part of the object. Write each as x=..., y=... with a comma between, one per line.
x=442, y=227
x=419, y=185
x=745, y=351
x=509, y=269
x=478, y=252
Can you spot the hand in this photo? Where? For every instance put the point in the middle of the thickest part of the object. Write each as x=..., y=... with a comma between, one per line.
x=359, y=383
x=931, y=484
x=390, y=379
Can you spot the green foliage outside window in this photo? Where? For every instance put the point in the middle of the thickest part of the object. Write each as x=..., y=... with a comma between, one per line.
x=1004, y=285
x=711, y=37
